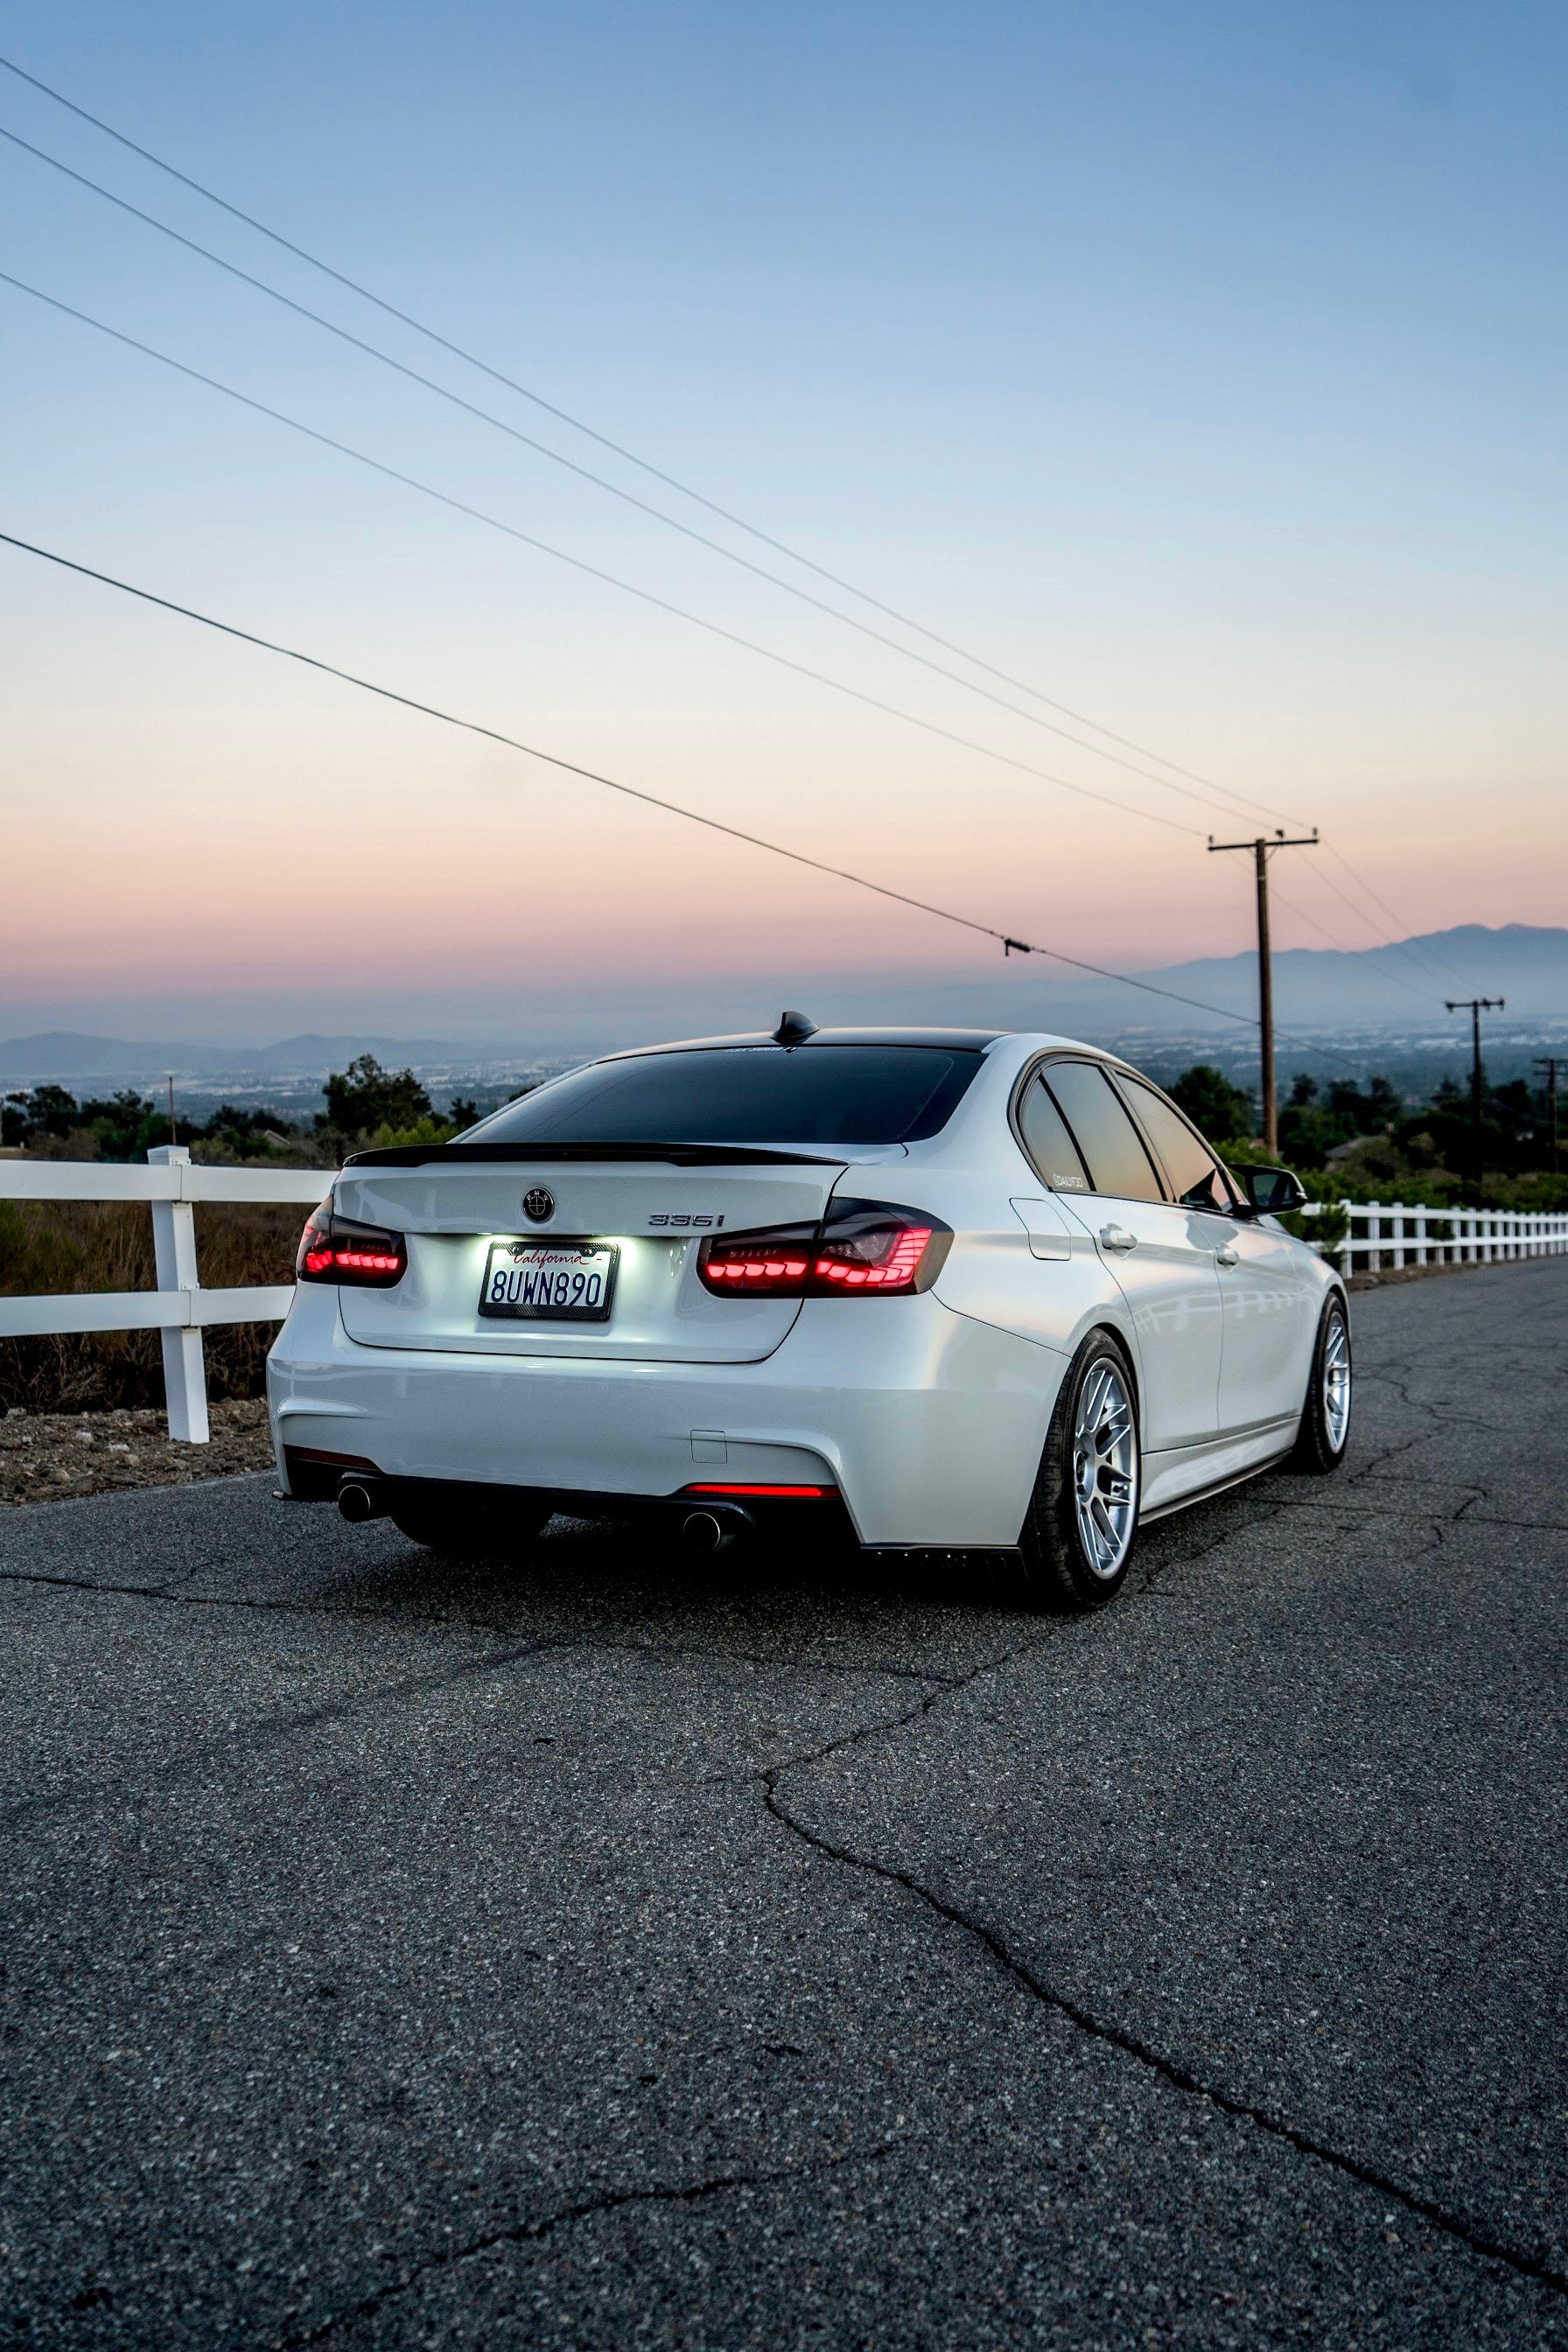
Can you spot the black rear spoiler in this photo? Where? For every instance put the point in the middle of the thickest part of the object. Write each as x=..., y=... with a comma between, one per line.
x=524, y=1154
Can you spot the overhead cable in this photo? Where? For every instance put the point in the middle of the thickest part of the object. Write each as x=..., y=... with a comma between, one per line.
x=586, y=474
x=593, y=570
x=565, y=416
x=391, y=310
x=1009, y=945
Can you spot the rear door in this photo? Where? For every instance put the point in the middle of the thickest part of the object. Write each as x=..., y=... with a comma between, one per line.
x=1270, y=1302
x=1164, y=1269
x=465, y=1220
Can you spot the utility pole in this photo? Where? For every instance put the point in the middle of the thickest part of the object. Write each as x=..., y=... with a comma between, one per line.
x=1261, y=850
x=1551, y=1064
x=1475, y=1006
x=174, y=1130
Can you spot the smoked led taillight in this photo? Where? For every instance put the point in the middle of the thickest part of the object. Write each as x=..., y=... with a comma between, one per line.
x=862, y=1248
x=342, y=1250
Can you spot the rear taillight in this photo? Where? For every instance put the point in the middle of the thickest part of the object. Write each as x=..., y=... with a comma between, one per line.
x=863, y=1248
x=342, y=1250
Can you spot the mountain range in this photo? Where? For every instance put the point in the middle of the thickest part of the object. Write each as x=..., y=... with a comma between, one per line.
x=1399, y=990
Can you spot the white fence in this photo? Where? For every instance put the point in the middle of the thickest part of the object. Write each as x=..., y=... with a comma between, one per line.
x=179, y=1307
x=1382, y=1234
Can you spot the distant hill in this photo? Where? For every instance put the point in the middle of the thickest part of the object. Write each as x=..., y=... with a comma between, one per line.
x=1399, y=991
x=1324, y=987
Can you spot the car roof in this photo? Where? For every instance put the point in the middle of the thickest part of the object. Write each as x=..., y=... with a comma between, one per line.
x=959, y=1041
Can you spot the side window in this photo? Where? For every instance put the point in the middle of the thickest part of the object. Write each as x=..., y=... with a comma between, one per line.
x=1196, y=1177
x=1048, y=1142
x=1109, y=1144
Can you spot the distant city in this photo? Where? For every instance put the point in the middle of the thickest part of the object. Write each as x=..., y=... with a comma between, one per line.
x=1380, y=1010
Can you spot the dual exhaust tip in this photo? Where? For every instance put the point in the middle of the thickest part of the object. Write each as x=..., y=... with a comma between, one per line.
x=708, y=1531
x=360, y=1499
x=703, y=1532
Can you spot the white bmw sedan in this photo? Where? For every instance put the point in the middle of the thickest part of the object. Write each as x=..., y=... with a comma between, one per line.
x=933, y=1289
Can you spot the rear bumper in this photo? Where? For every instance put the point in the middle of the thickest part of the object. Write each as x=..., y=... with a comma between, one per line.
x=928, y=1423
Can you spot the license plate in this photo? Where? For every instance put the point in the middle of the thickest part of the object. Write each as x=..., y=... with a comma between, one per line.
x=550, y=1281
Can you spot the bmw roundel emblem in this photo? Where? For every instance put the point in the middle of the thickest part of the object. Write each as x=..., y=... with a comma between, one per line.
x=538, y=1205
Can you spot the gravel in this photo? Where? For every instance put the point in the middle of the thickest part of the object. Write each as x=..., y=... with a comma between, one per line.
x=53, y=1454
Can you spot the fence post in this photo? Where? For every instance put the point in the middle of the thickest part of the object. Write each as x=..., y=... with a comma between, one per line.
x=174, y=1255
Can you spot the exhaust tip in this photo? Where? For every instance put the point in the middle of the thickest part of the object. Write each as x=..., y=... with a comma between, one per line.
x=703, y=1531
x=358, y=1501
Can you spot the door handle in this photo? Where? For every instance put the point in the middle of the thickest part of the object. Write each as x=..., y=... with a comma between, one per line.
x=1227, y=1255
x=1117, y=1237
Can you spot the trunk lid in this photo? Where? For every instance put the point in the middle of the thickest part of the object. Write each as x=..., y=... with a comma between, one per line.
x=655, y=1214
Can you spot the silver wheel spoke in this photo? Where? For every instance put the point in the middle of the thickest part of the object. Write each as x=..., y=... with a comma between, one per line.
x=1105, y=1469
x=1336, y=1383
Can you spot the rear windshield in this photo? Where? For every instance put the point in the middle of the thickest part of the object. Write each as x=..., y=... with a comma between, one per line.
x=749, y=1094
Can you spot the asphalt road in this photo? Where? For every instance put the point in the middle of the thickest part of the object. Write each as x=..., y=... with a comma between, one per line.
x=594, y=1951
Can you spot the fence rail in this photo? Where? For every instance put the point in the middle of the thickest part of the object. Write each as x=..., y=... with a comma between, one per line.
x=1382, y=1234
x=1388, y=1235
x=179, y=1308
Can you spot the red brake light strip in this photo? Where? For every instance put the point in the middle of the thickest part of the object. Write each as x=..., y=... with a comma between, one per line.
x=801, y=1491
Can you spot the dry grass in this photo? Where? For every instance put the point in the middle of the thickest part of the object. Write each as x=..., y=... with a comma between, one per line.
x=74, y=1245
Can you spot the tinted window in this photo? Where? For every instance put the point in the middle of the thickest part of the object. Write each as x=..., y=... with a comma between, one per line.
x=1048, y=1142
x=746, y=1094
x=1107, y=1139
x=1196, y=1175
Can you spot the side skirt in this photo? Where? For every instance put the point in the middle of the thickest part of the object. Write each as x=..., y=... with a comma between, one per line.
x=1221, y=1486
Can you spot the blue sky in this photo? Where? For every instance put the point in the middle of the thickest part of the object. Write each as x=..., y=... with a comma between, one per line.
x=1204, y=367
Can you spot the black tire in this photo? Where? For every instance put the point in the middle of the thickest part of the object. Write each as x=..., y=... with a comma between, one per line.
x=1061, y=1570
x=472, y=1532
x=1325, y=1430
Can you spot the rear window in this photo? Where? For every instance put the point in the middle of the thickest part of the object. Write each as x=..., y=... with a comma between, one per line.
x=747, y=1094
x=1111, y=1146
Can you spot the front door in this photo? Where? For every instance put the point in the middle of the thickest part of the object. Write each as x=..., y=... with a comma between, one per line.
x=1269, y=1306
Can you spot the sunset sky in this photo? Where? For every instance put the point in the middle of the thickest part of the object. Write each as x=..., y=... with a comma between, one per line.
x=1202, y=367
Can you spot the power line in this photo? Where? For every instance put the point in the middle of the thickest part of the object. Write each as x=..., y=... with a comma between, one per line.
x=565, y=416
x=1302, y=916
x=1399, y=921
x=1422, y=958
x=671, y=481
x=1010, y=946
x=585, y=473
x=593, y=570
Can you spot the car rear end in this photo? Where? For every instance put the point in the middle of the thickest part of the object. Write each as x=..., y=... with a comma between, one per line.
x=585, y=1320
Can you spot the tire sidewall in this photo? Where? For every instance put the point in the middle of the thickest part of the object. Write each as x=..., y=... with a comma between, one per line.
x=1315, y=1448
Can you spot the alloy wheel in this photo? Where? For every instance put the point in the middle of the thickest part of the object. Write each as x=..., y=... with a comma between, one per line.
x=1337, y=1383
x=1105, y=1468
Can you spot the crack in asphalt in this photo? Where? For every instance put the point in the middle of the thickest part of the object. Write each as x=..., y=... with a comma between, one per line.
x=614, y=2200
x=1472, y=2234
x=439, y=1621
x=178, y=1599
x=267, y=1728
x=1145, y=1590
x=1475, y=2236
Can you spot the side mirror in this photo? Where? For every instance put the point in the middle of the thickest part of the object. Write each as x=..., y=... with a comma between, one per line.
x=1272, y=1192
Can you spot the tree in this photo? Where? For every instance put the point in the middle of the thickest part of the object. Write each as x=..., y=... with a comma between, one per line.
x=463, y=1113
x=1224, y=1112
x=365, y=1096
x=50, y=1110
